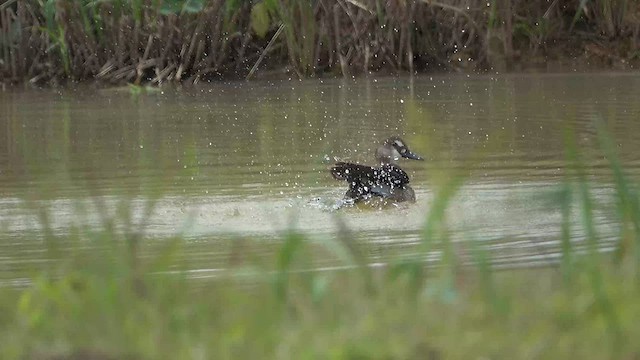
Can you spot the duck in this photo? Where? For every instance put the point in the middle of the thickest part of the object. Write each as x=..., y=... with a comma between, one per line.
x=387, y=181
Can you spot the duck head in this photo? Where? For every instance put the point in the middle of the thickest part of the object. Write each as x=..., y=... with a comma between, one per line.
x=393, y=149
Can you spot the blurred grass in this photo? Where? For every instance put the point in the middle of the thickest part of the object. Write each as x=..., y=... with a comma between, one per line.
x=102, y=297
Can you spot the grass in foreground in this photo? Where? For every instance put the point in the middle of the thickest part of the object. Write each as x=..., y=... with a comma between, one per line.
x=110, y=302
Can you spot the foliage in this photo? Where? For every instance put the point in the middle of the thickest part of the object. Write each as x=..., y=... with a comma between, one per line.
x=152, y=41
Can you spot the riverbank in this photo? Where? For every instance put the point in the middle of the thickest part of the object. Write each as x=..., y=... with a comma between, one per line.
x=145, y=42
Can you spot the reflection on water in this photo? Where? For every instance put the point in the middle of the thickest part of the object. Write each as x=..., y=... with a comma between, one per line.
x=244, y=159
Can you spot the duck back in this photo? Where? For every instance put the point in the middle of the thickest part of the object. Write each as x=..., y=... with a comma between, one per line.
x=384, y=181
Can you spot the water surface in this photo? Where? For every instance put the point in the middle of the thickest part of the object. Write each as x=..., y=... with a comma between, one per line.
x=249, y=160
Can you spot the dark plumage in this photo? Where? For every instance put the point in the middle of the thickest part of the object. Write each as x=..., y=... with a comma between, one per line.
x=387, y=181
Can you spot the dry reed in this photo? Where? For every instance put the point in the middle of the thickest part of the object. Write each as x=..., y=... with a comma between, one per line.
x=152, y=41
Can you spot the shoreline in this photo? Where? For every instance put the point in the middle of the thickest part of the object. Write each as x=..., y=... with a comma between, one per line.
x=281, y=76
x=140, y=43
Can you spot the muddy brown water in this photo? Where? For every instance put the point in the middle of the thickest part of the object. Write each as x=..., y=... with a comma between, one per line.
x=249, y=160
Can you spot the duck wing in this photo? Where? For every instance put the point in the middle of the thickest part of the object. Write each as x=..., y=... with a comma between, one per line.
x=352, y=172
x=393, y=175
x=389, y=178
x=364, y=180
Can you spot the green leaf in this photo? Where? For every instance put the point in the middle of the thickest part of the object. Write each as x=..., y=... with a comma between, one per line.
x=170, y=7
x=193, y=6
x=260, y=19
x=271, y=6
x=231, y=6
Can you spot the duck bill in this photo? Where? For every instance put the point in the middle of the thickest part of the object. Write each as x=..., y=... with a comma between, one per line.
x=412, y=156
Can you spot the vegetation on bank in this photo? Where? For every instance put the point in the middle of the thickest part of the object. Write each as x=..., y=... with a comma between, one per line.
x=157, y=41
x=109, y=297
